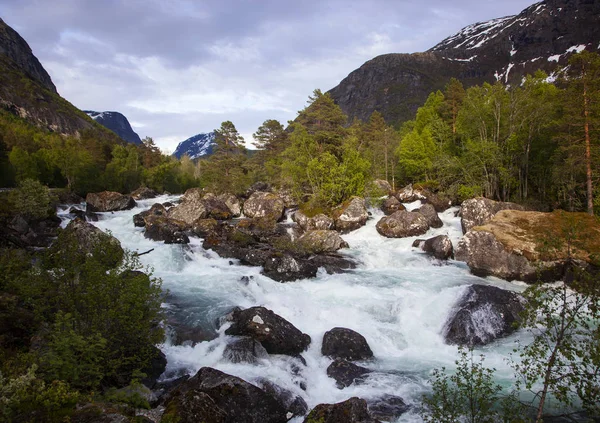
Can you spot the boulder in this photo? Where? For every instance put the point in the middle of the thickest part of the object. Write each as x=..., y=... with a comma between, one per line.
x=232, y=202
x=345, y=343
x=383, y=185
x=276, y=334
x=351, y=215
x=212, y=396
x=65, y=196
x=391, y=205
x=332, y=263
x=143, y=193
x=478, y=211
x=439, y=246
x=264, y=205
x=345, y=373
x=402, y=224
x=292, y=403
x=286, y=268
x=191, y=207
x=98, y=413
x=318, y=222
x=108, y=201
x=387, y=408
x=89, y=238
x=482, y=314
x=156, y=210
x=433, y=220
x=408, y=194
x=216, y=208
x=245, y=350
x=531, y=246
x=161, y=228
x=205, y=227
x=353, y=410
x=155, y=368
x=321, y=241
x=441, y=203
x=289, y=200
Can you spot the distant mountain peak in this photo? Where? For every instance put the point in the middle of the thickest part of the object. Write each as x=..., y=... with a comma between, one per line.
x=117, y=123
x=199, y=145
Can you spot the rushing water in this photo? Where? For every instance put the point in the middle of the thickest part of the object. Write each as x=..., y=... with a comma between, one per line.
x=398, y=298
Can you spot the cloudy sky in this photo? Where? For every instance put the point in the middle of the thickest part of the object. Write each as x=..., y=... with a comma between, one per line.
x=176, y=68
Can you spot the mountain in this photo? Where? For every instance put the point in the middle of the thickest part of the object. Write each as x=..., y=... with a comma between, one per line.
x=117, y=123
x=27, y=91
x=543, y=36
x=197, y=146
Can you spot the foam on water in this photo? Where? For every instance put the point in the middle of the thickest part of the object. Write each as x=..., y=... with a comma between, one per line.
x=398, y=299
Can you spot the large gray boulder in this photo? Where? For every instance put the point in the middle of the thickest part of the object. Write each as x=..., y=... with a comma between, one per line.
x=143, y=193
x=90, y=240
x=216, y=208
x=264, y=205
x=276, y=334
x=157, y=209
x=408, y=194
x=439, y=246
x=482, y=314
x=383, y=185
x=320, y=241
x=232, y=202
x=402, y=224
x=353, y=410
x=346, y=373
x=391, y=205
x=351, y=215
x=244, y=349
x=108, y=201
x=478, y=211
x=319, y=221
x=346, y=344
x=161, y=228
x=191, y=207
x=428, y=210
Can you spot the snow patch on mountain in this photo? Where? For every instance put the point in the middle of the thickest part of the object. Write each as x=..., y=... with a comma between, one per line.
x=199, y=145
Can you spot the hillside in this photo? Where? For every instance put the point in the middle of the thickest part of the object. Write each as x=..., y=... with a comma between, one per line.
x=117, y=123
x=543, y=36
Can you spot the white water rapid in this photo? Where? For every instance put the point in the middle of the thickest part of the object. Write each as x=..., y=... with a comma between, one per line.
x=398, y=299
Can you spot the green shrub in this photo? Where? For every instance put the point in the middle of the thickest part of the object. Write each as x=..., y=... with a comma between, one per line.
x=31, y=199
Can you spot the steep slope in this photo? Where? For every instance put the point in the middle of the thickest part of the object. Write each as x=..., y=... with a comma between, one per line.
x=27, y=91
x=117, y=123
x=199, y=145
x=543, y=36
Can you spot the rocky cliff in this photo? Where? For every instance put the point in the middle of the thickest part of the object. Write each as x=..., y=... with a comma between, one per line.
x=117, y=123
x=543, y=36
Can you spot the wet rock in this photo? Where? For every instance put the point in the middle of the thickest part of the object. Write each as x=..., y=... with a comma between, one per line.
x=216, y=208
x=391, y=205
x=292, y=403
x=212, y=396
x=353, y=410
x=441, y=203
x=351, y=215
x=232, y=202
x=332, y=263
x=387, y=408
x=156, y=210
x=482, y=314
x=478, y=211
x=439, y=246
x=433, y=220
x=345, y=373
x=402, y=224
x=321, y=241
x=191, y=207
x=77, y=212
x=245, y=350
x=345, y=343
x=264, y=205
x=143, y=193
x=108, y=201
x=68, y=197
x=276, y=334
x=408, y=194
x=205, y=227
x=286, y=268
x=161, y=228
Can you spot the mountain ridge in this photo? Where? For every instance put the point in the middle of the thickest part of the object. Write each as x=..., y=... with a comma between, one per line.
x=196, y=146
x=116, y=122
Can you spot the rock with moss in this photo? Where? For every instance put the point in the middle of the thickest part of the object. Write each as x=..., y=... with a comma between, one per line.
x=351, y=215
x=191, y=207
x=353, y=410
x=391, y=205
x=161, y=228
x=232, y=202
x=321, y=241
x=478, y=211
x=264, y=205
x=216, y=208
x=276, y=334
x=318, y=222
x=433, y=220
x=156, y=210
x=212, y=396
x=108, y=201
x=88, y=240
x=408, y=194
x=143, y=193
x=402, y=224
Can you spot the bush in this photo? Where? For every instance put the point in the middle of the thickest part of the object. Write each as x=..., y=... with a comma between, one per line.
x=31, y=199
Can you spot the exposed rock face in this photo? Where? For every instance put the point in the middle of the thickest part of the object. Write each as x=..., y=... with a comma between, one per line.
x=117, y=123
x=391, y=205
x=353, y=410
x=264, y=205
x=318, y=222
x=276, y=334
x=16, y=49
x=402, y=224
x=212, y=396
x=346, y=344
x=317, y=242
x=345, y=373
x=483, y=314
x=439, y=246
x=245, y=350
x=162, y=228
x=108, y=201
x=433, y=220
x=157, y=209
x=351, y=215
x=514, y=245
x=478, y=211
x=542, y=36
x=191, y=207
x=143, y=193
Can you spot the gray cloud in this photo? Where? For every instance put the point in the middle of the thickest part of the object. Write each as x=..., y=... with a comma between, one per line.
x=179, y=67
